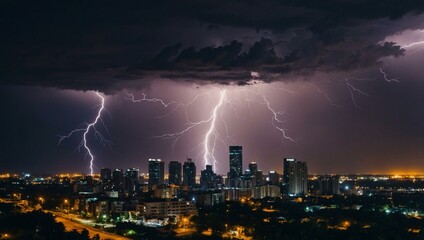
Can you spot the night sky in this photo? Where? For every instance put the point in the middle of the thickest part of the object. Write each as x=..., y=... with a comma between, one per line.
x=344, y=78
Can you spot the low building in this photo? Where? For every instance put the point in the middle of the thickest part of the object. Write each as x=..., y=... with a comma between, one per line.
x=165, y=191
x=236, y=194
x=209, y=198
x=266, y=191
x=117, y=206
x=329, y=185
x=168, y=208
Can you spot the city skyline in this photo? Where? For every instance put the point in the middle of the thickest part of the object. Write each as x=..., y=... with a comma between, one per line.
x=139, y=80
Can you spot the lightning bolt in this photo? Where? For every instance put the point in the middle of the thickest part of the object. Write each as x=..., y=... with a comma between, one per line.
x=212, y=135
x=276, y=119
x=86, y=130
x=207, y=144
x=320, y=91
x=208, y=151
x=413, y=44
x=212, y=129
x=352, y=91
x=386, y=78
x=132, y=98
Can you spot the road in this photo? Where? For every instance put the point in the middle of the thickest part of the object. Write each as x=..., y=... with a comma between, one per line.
x=70, y=225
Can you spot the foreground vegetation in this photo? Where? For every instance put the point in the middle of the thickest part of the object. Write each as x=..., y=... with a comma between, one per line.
x=33, y=225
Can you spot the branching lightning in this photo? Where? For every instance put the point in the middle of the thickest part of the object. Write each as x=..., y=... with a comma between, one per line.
x=320, y=91
x=212, y=135
x=413, y=44
x=386, y=78
x=352, y=91
x=145, y=99
x=86, y=130
x=276, y=118
x=208, y=154
x=207, y=144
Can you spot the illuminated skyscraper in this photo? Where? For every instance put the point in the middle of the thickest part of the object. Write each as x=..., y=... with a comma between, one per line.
x=189, y=173
x=156, y=171
x=295, y=177
x=236, y=165
x=175, y=173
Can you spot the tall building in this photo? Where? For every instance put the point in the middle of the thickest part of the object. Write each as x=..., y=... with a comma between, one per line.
x=189, y=173
x=131, y=180
x=156, y=171
x=207, y=178
x=105, y=174
x=286, y=173
x=253, y=167
x=236, y=165
x=175, y=173
x=118, y=180
x=274, y=178
x=258, y=178
x=295, y=176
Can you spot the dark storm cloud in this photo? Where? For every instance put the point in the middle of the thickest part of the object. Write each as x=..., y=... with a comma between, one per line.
x=101, y=44
x=231, y=64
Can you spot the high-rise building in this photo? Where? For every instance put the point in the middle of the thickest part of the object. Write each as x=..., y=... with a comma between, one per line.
x=253, y=167
x=189, y=173
x=207, y=178
x=256, y=174
x=175, y=173
x=105, y=174
x=118, y=180
x=286, y=174
x=156, y=171
x=274, y=178
x=259, y=178
x=295, y=176
x=131, y=180
x=236, y=165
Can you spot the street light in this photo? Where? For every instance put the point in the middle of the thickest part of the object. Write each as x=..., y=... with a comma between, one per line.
x=185, y=220
x=66, y=202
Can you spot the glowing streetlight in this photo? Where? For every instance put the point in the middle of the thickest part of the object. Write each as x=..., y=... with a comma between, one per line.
x=185, y=221
x=66, y=202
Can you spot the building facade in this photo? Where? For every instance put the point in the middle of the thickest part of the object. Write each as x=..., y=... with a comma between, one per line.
x=162, y=209
x=175, y=175
x=295, y=177
x=236, y=165
x=156, y=172
x=329, y=185
x=189, y=173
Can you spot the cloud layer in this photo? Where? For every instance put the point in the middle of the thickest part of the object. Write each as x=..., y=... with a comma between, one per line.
x=105, y=45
